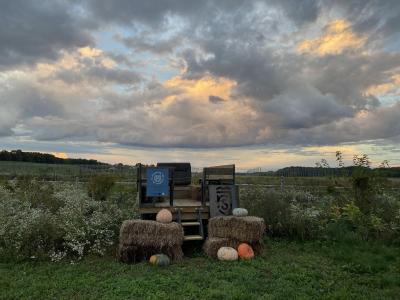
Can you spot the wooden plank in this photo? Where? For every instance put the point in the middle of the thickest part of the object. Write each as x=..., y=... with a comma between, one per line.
x=179, y=203
x=184, y=210
x=190, y=223
x=192, y=238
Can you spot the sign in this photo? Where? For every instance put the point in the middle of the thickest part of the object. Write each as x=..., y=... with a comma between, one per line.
x=157, y=182
x=223, y=199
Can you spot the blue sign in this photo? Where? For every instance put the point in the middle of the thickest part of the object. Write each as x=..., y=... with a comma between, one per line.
x=157, y=182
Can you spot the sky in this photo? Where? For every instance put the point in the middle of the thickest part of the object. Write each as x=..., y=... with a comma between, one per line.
x=262, y=84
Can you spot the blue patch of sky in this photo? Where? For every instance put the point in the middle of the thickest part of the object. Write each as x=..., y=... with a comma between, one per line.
x=151, y=66
x=389, y=99
x=393, y=44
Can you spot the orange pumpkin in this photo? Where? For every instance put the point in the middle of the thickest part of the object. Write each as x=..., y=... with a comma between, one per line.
x=153, y=259
x=245, y=251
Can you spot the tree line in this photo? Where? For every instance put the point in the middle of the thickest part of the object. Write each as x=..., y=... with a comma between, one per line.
x=328, y=171
x=46, y=158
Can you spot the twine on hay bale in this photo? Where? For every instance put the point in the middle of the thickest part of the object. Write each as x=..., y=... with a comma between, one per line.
x=250, y=229
x=139, y=239
x=211, y=245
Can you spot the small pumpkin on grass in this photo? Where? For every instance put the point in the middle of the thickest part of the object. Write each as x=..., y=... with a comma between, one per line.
x=159, y=260
x=245, y=251
x=227, y=253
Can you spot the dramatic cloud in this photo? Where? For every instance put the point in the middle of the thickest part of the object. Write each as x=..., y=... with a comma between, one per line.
x=337, y=38
x=31, y=31
x=200, y=74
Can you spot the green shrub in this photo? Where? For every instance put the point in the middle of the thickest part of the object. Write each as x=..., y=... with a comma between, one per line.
x=287, y=213
x=335, y=216
x=99, y=186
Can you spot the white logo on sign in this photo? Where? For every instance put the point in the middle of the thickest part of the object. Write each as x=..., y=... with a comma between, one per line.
x=157, y=177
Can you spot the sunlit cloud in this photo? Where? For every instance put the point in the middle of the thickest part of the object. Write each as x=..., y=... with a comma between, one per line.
x=201, y=89
x=60, y=154
x=337, y=37
x=392, y=86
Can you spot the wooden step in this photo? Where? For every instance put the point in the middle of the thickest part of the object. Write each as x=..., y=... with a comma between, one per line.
x=183, y=188
x=195, y=223
x=192, y=238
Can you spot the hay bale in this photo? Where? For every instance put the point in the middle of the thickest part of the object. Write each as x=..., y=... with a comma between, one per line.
x=211, y=245
x=248, y=229
x=133, y=254
x=139, y=239
x=146, y=233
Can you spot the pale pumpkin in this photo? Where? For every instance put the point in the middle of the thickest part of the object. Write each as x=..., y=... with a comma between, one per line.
x=160, y=260
x=227, y=253
x=164, y=216
x=240, y=212
x=245, y=251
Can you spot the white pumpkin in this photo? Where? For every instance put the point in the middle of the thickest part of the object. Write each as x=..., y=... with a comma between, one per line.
x=240, y=212
x=164, y=216
x=227, y=253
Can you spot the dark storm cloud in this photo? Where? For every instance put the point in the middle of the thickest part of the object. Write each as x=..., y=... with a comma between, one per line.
x=306, y=107
x=154, y=13
x=22, y=102
x=381, y=123
x=156, y=45
x=371, y=15
x=300, y=11
x=38, y=30
x=347, y=76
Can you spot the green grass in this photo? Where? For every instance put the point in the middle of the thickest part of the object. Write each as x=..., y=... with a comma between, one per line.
x=286, y=270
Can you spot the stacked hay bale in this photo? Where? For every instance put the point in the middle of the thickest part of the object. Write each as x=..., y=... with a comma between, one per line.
x=231, y=231
x=139, y=239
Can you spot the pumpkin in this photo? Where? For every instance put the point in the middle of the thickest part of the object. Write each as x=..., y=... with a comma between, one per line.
x=164, y=216
x=159, y=260
x=227, y=253
x=240, y=212
x=245, y=251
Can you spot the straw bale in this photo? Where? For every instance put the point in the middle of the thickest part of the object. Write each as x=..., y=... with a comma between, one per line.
x=134, y=253
x=147, y=233
x=250, y=229
x=211, y=245
x=139, y=239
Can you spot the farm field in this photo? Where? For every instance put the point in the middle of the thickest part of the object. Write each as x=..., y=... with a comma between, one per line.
x=286, y=270
x=59, y=172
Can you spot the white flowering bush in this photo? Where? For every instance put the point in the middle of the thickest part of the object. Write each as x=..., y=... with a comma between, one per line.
x=80, y=225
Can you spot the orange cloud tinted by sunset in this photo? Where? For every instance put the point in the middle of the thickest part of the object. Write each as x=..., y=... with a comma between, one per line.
x=336, y=38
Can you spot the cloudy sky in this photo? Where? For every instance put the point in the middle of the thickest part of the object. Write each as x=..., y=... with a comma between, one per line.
x=258, y=83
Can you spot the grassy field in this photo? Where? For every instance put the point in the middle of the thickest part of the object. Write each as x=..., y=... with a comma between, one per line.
x=286, y=270
x=60, y=172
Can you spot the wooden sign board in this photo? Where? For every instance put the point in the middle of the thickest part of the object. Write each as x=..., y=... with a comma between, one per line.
x=223, y=199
